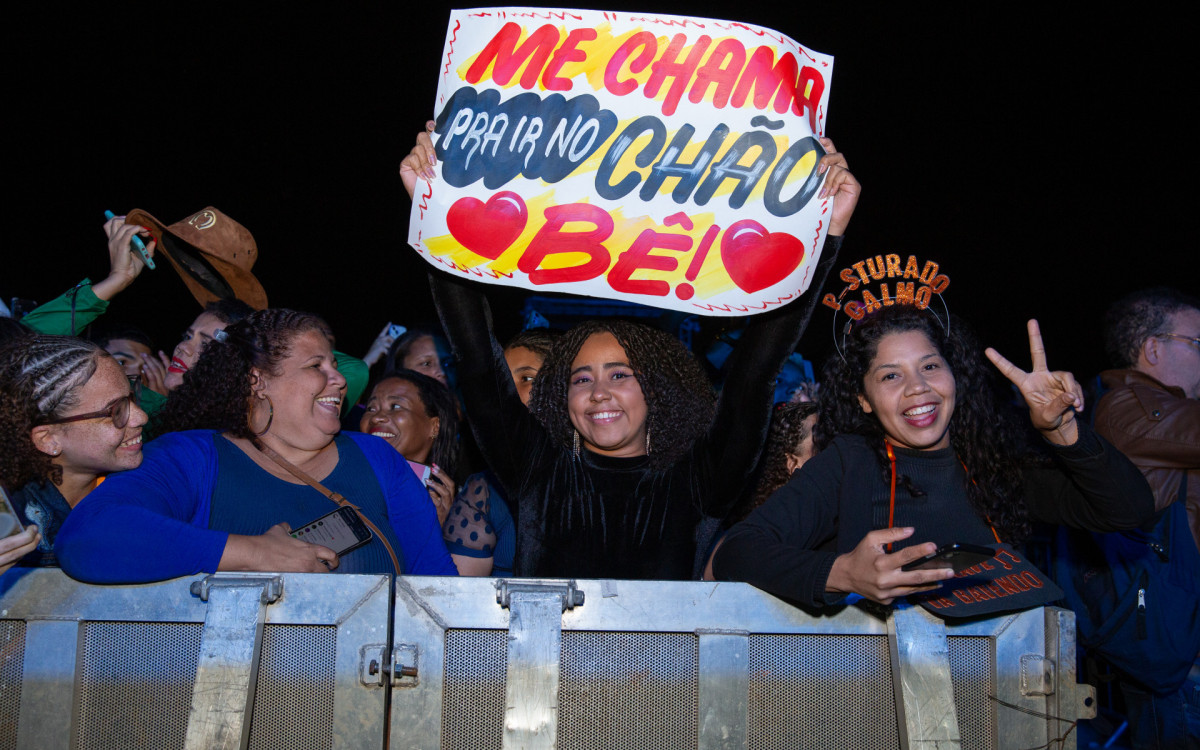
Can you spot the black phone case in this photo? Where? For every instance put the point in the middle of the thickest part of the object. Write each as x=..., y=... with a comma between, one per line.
x=959, y=556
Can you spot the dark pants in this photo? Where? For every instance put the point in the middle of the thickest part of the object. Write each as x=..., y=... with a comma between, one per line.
x=1170, y=723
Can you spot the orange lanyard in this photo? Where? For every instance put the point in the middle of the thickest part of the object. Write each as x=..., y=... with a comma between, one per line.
x=891, y=454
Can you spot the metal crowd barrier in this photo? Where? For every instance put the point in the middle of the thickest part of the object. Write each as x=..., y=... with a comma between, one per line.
x=339, y=661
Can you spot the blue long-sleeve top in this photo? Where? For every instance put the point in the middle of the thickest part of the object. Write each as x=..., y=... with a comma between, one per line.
x=152, y=523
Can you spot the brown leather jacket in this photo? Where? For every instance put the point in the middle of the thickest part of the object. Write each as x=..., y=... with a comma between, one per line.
x=1158, y=428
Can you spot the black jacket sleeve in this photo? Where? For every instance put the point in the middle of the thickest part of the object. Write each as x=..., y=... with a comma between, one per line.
x=788, y=544
x=1092, y=486
x=503, y=427
x=738, y=433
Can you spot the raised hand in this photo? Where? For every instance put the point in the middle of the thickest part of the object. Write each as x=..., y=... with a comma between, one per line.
x=154, y=372
x=870, y=570
x=842, y=185
x=420, y=161
x=124, y=265
x=1053, y=397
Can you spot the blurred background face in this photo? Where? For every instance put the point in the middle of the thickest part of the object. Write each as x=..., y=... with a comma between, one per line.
x=804, y=449
x=425, y=357
x=1179, y=360
x=396, y=413
x=128, y=355
x=524, y=365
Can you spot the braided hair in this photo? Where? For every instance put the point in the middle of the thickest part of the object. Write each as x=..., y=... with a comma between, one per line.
x=679, y=398
x=40, y=378
x=983, y=432
x=216, y=394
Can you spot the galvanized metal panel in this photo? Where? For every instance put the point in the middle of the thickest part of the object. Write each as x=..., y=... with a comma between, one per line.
x=139, y=648
x=921, y=676
x=12, y=659
x=227, y=671
x=637, y=663
x=531, y=684
x=48, y=674
x=724, y=690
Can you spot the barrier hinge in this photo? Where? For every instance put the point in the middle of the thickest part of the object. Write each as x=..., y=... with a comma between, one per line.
x=272, y=586
x=568, y=591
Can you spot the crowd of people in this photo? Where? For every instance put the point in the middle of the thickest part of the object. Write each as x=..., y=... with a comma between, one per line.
x=600, y=452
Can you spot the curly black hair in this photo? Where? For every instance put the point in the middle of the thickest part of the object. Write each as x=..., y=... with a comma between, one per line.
x=40, y=378
x=788, y=429
x=438, y=402
x=1138, y=316
x=983, y=431
x=679, y=398
x=216, y=392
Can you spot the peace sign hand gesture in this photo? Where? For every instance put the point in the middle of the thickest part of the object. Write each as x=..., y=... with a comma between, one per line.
x=1053, y=397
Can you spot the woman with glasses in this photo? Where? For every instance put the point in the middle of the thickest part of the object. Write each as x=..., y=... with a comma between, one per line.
x=67, y=418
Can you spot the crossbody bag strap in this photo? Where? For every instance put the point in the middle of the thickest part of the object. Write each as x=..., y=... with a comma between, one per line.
x=334, y=496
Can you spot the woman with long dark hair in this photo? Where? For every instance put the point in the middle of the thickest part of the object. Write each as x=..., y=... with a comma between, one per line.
x=418, y=416
x=627, y=455
x=917, y=451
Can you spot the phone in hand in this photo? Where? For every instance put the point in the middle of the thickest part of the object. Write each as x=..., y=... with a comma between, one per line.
x=340, y=531
x=10, y=523
x=957, y=557
x=423, y=472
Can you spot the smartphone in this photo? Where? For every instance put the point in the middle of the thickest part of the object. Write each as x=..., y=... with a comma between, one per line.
x=423, y=472
x=10, y=524
x=394, y=330
x=340, y=531
x=139, y=247
x=956, y=557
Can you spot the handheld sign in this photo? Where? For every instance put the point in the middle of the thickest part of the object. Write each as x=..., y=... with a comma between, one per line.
x=664, y=160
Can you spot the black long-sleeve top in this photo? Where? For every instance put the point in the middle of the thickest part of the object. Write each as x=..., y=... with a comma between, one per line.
x=788, y=545
x=605, y=517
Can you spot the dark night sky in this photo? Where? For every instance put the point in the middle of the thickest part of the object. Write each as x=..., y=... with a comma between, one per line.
x=1037, y=154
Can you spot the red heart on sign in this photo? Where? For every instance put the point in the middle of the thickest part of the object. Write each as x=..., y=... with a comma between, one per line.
x=755, y=258
x=488, y=229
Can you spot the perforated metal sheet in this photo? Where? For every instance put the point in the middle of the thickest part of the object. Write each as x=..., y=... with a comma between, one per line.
x=135, y=684
x=628, y=690
x=12, y=654
x=820, y=691
x=293, y=704
x=973, y=670
x=473, y=699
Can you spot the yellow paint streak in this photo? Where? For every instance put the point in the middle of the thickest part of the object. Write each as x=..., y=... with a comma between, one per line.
x=711, y=280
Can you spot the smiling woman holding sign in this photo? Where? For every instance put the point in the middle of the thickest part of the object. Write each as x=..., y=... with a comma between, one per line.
x=916, y=448
x=624, y=455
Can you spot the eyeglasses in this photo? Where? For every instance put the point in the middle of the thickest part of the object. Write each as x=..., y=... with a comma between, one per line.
x=1185, y=339
x=118, y=413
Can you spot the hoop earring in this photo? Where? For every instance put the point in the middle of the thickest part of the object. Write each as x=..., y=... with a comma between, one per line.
x=575, y=449
x=270, y=418
x=647, y=441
